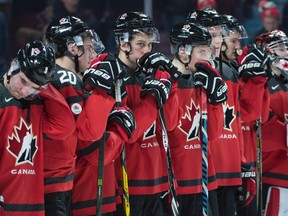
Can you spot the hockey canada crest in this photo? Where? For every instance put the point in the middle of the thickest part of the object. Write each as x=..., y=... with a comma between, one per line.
x=229, y=116
x=190, y=121
x=22, y=144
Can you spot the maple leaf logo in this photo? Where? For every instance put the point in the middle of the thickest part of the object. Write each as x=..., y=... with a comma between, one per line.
x=190, y=121
x=150, y=132
x=22, y=144
x=229, y=116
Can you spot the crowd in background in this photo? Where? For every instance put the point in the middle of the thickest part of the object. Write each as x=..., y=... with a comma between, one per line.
x=23, y=21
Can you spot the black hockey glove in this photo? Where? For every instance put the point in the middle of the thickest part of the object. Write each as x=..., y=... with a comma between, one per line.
x=155, y=60
x=104, y=70
x=158, y=85
x=124, y=117
x=210, y=79
x=247, y=190
x=253, y=62
x=98, y=79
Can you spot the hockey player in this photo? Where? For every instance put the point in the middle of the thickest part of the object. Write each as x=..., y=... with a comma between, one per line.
x=249, y=112
x=210, y=19
x=76, y=46
x=250, y=108
x=228, y=167
x=99, y=80
x=274, y=131
x=190, y=45
x=135, y=35
x=31, y=109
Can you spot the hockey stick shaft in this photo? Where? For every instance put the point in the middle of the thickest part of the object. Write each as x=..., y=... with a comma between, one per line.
x=204, y=139
x=100, y=178
x=174, y=202
x=259, y=197
x=126, y=203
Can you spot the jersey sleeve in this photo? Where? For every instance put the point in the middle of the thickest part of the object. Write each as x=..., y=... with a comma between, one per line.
x=92, y=121
x=147, y=108
x=58, y=121
x=90, y=149
x=71, y=87
x=274, y=135
x=252, y=98
x=172, y=110
x=215, y=121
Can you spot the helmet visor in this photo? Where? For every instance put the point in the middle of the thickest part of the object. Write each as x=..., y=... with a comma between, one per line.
x=240, y=30
x=153, y=32
x=96, y=41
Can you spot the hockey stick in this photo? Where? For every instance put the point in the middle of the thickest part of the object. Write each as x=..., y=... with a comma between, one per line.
x=259, y=197
x=171, y=179
x=204, y=138
x=100, y=177
x=126, y=203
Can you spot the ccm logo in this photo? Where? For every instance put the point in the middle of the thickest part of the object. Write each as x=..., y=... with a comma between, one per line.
x=249, y=65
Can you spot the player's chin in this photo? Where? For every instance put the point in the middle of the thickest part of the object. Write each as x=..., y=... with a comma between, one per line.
x=234, y=56
x=17, y=95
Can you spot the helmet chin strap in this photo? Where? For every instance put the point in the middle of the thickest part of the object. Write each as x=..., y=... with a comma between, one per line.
x=185, y=64
x=76, y=61
x=75, y=58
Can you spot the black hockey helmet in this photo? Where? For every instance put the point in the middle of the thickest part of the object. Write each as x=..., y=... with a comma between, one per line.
x=37, y=61
x=234, y=26
x=207, y=17
x=131, y=23
x=68, y=28
x=188, y=35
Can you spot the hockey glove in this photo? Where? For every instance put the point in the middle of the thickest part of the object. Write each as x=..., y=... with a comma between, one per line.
x=124, y=117
x=156, y=60
x=210, y=79
x=98, y=79
x=103, y=72
x=158, y=85
x=247, y=190
x=253, y=62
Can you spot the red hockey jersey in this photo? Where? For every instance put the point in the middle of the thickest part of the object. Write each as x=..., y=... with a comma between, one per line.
x=227, y=151
x=185, y=139
x=144, y=154
x=274, y=135
x=22, y=126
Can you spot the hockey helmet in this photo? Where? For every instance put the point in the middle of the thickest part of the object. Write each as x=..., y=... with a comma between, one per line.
x=207, y=17
x=132, y=23
x=36, y=61
x=270, y=39
x=69, y=28
x=188, y=35
x=234, y=26
x=276, y=43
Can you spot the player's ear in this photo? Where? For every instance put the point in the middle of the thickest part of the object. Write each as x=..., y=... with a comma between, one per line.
x=72, y=48
x=223, y=47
